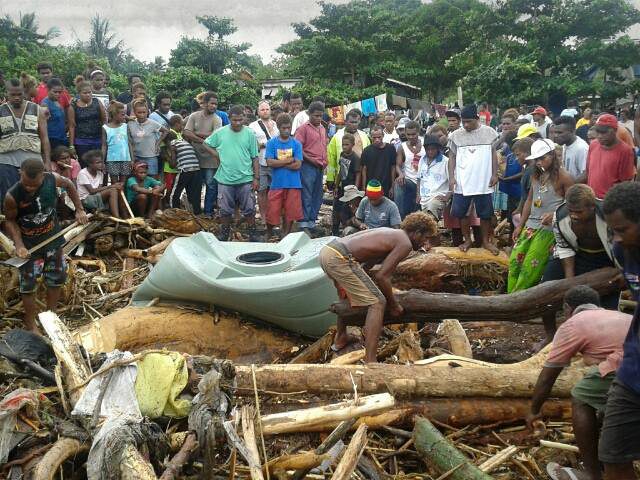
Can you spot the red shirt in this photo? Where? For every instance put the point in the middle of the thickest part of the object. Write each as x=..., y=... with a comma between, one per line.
x=608, y=166
x=42, y=91
x=487, y=117
x=314, y=143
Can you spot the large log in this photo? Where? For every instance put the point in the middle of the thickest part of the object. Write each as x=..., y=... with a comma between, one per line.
x=526, y=304
x=453, y=377
x=457, y=412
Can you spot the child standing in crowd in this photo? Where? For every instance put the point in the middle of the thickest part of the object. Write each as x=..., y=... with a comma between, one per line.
x=98, y=90
x=57, y=122
x=93, y=192
x=349, y=173
x=117, y=147
x=86, y=117
x=284, y=155
x=143, y=192
x=185, y=161
x=146, y=135
x=534, y=238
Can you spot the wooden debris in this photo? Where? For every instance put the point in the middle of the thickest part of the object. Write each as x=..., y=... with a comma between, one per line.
x=451, y=331
x=498, y=459
x=62, y=449
x=349, y=358
x=351, y=455
x=181, y=458
x=302, y=420
x=438, y=451
x=248, y=433
x=316, y=351
x=559, y=446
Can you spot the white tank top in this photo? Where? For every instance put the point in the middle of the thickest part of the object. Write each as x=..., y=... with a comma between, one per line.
x=412, y=162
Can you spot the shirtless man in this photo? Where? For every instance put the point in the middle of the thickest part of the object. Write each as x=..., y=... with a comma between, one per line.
x=341, y=260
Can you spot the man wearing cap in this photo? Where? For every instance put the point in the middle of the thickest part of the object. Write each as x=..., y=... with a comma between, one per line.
x=341, y=260
x=473, y=172
x=402, y=124
x=433, y=178
x=541, y=121
x=351, y=200
x=609, y=161
x=376, y=210
x=528, y=130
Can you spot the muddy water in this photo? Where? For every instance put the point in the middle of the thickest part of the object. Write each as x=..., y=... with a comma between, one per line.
x=163, y=327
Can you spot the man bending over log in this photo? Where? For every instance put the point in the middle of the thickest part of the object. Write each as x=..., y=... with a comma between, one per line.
x=598, y=335
x=341, y=260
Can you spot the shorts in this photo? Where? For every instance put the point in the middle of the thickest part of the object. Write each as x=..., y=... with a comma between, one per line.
x=433, y=206
x=265, y=178
x=118, y=168
x=230, y=196
x=620, y=434
x=9, y=176
x=50, y=265
x=287, y=199
x=592, y=390
x=152, y=163
x=483, y=204
x=336, y=261
x=169, y=179
x=94, y=202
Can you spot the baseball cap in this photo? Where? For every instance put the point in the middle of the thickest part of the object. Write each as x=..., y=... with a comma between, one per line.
x=540, y=148
x=454, y=112
x=607, y=120
x=525, y=130
x=539, y=111
x=402, y=123
x=374, y=189
x=469, y=111
x=351, y=192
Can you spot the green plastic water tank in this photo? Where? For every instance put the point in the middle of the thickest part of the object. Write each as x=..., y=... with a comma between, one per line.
x=280, y=283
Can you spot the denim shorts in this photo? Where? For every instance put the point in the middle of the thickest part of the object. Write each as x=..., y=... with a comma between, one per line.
x=483, y=204
x=230, y=196
x=152, y=163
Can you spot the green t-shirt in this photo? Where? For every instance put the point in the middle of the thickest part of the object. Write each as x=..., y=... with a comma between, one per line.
x=236, y=151
x=149, y=182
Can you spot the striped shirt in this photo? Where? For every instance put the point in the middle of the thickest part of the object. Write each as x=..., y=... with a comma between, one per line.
x=185, y=156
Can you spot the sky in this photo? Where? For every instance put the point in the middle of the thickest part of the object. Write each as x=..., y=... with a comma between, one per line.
x=153, y=27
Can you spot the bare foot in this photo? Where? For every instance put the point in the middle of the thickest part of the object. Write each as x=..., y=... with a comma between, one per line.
x=491, y=247
x=465, y=246
x=346, y=343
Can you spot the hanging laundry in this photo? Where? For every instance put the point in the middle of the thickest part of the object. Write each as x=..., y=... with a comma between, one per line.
x=381, y=102
x=369, y=107
x=351, y=106
x=336, y=114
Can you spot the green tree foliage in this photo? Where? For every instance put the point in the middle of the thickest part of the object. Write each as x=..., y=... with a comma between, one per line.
x=536, y=48
x=214, y=54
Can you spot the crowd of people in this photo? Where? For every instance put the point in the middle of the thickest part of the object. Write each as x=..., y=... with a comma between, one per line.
x=563, y=184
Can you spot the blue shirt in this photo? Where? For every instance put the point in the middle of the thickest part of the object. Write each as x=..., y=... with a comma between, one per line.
x=56, y=126
x=629, y=370
x=513, y=167
x=283, y=177
x=223, y=116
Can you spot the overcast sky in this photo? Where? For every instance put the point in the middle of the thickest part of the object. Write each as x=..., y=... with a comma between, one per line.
x=153, y=27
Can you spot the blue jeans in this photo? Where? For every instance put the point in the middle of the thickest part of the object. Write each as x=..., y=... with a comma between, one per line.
x=9, y=176
x=405, y=198
x=312, y=192
x=211, y=192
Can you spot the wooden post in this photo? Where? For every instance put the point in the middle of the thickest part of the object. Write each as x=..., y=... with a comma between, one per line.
x=349, y=460
x=248, y=432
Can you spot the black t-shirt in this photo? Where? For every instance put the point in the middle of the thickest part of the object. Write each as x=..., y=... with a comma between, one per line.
x=379, y=162
x=349, y=166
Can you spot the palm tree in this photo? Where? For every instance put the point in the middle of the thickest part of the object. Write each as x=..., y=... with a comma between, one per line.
x=26, y=30
x=102, y=42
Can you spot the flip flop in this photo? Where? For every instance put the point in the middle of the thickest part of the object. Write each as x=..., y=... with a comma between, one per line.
x=553, y=468
x=355, y=344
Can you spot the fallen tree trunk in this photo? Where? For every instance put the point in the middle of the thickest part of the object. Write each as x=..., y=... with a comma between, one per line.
x=526, y=304
x=303, y=420
x=454, y=379
x=458, y=412
x=437, y=450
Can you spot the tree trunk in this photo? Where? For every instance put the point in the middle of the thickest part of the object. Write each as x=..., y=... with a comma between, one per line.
x=457, y=412
x=515, y=307
x=437, y=450
x=463, y=378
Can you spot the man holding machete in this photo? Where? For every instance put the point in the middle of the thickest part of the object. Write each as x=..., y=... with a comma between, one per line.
x=31, y=219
